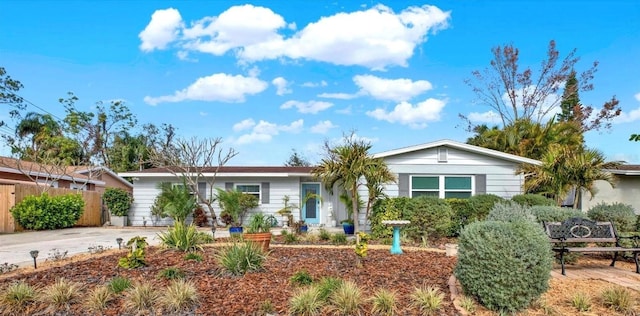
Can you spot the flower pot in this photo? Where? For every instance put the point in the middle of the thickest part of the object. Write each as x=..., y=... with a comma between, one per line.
x=262, y=239
x=348, y=228
x=303, y=229
x=119, y=221
x=235, y=230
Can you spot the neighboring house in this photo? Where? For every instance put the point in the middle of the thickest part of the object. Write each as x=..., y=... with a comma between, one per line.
x=626, y=190
x=444, y=169
x=14, y=171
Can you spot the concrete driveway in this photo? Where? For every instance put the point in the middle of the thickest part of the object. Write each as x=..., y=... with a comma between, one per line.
x=15, y=248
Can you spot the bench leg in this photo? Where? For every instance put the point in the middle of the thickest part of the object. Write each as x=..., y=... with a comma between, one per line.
x=615, y=257
x=635, y=258
x=562, y=262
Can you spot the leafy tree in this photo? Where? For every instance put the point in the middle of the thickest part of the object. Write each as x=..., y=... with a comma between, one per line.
x=634, y=137
x=349, y=166
x=516, y=94
x=296, y=160
x=9, y=88
x=194, y=160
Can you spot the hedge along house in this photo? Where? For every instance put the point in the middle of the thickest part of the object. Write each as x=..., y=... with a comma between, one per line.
x=270, y=184
x=443, y=169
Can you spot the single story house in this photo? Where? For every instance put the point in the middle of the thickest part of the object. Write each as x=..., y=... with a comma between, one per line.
x=626, y=190
x=443, y=168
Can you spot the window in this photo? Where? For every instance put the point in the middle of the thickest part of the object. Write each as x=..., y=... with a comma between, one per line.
x=253, y=189
x=442, y=186
x=78, y=186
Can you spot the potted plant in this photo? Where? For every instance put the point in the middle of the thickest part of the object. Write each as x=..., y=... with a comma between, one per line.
x=235, y=204
x=117, y=201
x=259, y=230
x=286, y=212
x=347, y=224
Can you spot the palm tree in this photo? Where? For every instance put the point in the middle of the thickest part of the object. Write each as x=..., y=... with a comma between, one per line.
x=350, y=166
x=564, y=169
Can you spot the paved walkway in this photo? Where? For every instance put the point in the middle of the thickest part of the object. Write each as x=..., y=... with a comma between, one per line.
x=622, y=274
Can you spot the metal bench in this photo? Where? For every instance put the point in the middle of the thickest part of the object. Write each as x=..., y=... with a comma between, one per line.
x=582, y=230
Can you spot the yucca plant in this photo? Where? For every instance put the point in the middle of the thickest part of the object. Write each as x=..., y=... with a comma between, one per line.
x=427, y=299
x=184, y=237
x=98, y=299
x=141, y=297
x=306, y=302
x=346, y=299
x=119, y=284
x=383, y=302
x=16, y=296
x=619, y=299
x=180, y=295
x=61, y=293
x=240, y=258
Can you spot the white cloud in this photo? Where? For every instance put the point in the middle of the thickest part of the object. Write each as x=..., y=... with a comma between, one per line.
x=254, y=72
x=346, y=110
x=341, y=96
x=264, y=131
x=217, y=87
x=637, y=96
x=314, y=84
x=322, y=127
x=489, y=117
x=244, y=124
x=163, y=29
x=375, y=38
x=281, y=86
x=391, y=89
x=312, y=107
x=627, y=117
x=203, y=113
x=414, y=116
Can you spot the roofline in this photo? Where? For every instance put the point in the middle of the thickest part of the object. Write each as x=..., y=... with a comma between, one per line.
x=624, y=172
x=57, y=176
x=218, y=174
x=462, y=146
x=109, y=171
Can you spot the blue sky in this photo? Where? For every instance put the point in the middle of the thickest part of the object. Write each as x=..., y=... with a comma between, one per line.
x=283, y=75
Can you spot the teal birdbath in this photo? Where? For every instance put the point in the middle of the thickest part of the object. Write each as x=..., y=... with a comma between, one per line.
x=397, y=225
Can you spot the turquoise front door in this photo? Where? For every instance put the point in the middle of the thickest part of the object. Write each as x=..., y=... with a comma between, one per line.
x=310, y=208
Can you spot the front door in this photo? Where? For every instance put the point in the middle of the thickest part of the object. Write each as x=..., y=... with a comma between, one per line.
x=310, y=206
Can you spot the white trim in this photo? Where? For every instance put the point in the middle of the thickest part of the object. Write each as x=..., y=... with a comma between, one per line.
x=217, y=175
x=624, y=172
x=110, y=172
x=259, y=185
x=461, y=146
x=45, y=175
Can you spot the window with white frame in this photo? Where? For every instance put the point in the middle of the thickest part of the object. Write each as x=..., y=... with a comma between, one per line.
x=78, y=186
x=253, y=189
x=442, y=186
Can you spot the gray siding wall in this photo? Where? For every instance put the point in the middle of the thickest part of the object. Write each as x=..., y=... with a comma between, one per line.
x=499, y=174
x=627, y=191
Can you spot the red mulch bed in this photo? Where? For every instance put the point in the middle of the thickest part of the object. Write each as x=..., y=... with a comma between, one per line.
x=221, y=294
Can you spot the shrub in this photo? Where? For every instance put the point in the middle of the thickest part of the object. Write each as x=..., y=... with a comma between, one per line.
x=241, y=258
x=545, y=213
x=301, y=277
x=326, y=286
x=510, y=212
x=505, y=265
x=428, y=300
x=118, y=284
x=179, y=295
x=481, y=205
x=324, y=234
x=7, y=267
x=184, y=237
x=136, y=257
x=621, y=215
x=193, y=256
x=117, y=201
x=532, y=199
x=383, y=210
x=339, y=239
x=346, y=299
x=461, y=210
x=200, y=217
x=45, y=212
x=383, y=302
x=290, y=238
x=429, y=216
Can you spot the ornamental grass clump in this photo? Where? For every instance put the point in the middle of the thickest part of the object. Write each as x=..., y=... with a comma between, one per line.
x=618, y=298
x=184, y=237
x=61, y=294
x=180, y=295
x=240, y=258
x=98, y=299
x=306, y=302
x=346, y=299
x=505, y=265
x=16, y=297
x=118, y=284
x=428, y=299
x=142, y=297
x=383, y=302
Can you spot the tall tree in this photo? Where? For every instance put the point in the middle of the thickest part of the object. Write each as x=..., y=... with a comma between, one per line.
x=195, y=160
x=516, y=94
x=297, y=160
x=9, y=88
x=349, y=165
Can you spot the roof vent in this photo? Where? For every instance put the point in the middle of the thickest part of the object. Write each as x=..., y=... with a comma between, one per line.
x=442, y=154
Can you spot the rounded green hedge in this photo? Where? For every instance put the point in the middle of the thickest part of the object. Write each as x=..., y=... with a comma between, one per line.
x=429, y=216
x=532, y=199
x=621, y=215
x=117, y=201
x=504, y=265
x=545, y=213
x=47, y=212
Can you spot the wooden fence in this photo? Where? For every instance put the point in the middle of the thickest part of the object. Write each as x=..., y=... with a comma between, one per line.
x=10, y=194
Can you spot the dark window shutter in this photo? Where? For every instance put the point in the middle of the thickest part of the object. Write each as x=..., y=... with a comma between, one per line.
x=228, y=186
x=265, y=187
x=481, y=184
x=202, y=189
x=403, y=185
